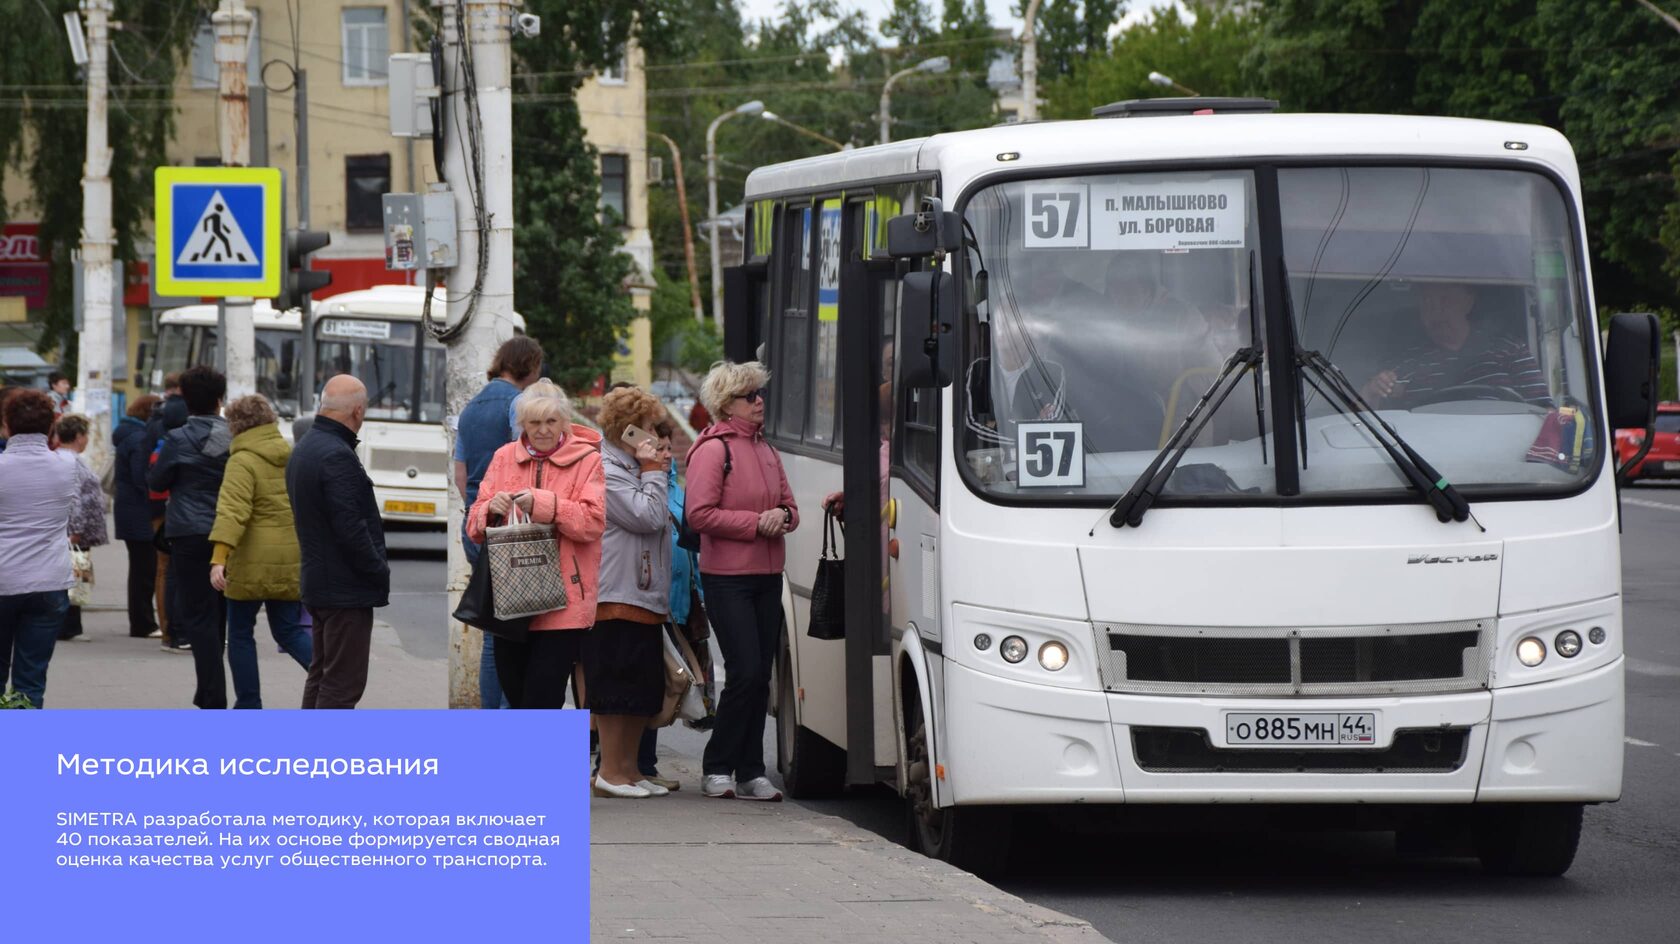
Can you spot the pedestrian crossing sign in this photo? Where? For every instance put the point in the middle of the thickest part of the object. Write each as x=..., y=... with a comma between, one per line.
x=218, y=231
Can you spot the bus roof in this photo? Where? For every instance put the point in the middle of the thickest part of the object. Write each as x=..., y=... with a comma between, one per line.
x=396, y=302
x=963, y=155
x=263, y=315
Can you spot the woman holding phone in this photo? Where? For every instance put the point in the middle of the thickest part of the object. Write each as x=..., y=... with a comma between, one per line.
x=623, y=655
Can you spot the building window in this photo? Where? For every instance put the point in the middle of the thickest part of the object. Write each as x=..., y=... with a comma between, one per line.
x=366, y=179
x=206, y=74
x=367, y=45
x=619, y=71
x=615, y=184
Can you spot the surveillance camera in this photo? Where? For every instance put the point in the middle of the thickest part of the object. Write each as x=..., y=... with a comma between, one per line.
x=528, y=24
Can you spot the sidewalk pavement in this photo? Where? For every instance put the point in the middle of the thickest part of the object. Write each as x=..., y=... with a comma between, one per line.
x=704, y=871
x=105, y=668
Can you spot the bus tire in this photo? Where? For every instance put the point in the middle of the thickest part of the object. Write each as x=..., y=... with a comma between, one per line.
x=810, y=765
x=972, y=838
x=1535, y=839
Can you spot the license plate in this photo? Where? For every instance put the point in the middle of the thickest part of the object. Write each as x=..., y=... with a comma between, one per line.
x=1671, y=465
x=1259, y=729
x=411, y=508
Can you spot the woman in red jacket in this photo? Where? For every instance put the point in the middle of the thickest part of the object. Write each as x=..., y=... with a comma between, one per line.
x=553, y=474
x=740, y=503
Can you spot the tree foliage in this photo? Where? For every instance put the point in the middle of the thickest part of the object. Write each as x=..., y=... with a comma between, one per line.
x=1070, y=31
x=1602, y=73
x=817, y=64
x=43, y=127
x=1202, y=50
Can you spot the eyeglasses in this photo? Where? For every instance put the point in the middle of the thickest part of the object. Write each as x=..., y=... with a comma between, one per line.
x=753, y=396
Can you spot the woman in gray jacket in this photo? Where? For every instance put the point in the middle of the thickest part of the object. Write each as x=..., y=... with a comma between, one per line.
x=623, y=655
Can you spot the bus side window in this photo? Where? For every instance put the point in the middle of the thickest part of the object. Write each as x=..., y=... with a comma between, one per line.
x=790, y=372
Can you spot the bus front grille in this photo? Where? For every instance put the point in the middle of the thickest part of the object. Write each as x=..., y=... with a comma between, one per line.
x=1187, y=751
x=401, y=460
x=1351, y=660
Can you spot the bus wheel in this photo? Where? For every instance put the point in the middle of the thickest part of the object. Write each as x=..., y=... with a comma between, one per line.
x=1528, y=838
x=972, y=838
x=810, y=765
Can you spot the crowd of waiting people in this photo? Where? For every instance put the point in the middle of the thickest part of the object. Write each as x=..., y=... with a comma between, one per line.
x=223, y=520
x=217, y=513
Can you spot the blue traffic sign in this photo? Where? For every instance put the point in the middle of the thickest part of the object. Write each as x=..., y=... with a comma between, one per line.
x=218, y=231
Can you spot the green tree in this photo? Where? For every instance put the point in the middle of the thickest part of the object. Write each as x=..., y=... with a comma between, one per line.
x=569, y=274
x=43, y=127
x=1069, y=31
x=1204, y=52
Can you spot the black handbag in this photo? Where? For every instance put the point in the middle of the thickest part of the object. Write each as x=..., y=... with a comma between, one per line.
x=478, y=607
x=687, y=538
x=828, y=591
x=160, y=540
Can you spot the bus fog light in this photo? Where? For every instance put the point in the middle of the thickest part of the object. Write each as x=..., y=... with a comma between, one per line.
x=982, y=641
x=1013, y=648
x=1053, y=656
x=1531, y=652
x=1567, y=643
x=1597, y=635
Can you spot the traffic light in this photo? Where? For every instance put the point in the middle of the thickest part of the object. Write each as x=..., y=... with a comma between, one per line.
x=298, y=280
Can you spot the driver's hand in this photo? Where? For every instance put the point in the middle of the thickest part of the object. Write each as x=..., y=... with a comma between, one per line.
x=1380, y=387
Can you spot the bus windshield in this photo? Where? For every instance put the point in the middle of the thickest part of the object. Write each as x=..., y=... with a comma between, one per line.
x=1447, y=296
x=277, y=359
x=382, y=355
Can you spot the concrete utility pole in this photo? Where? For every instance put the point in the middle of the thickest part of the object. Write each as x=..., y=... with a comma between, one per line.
x=688, y=230
x=306, y=367
x=233, y=34
x=482, y=184
x=1029, y=63
x=93, y=365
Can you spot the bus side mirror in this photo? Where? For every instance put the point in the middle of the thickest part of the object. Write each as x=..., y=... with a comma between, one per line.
x=1631, y=358
x=916, y=235
x=142, y=353
x=927, y=328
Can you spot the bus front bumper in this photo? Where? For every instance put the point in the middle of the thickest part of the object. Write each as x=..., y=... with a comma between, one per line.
x=1013, y=742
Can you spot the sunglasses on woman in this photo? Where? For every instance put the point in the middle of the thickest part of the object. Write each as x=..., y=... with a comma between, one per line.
x=753, y=396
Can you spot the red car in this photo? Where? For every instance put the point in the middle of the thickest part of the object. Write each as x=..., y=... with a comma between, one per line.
x=1663, y=461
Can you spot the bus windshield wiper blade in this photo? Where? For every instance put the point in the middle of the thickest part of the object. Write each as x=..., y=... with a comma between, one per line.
x=1449, y=505
x=1130, y=509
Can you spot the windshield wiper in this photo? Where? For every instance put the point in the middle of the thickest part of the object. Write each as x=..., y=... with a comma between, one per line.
x=1132, y=506
x=1449, y=505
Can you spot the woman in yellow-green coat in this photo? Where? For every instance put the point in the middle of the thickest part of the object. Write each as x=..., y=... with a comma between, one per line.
x=254, y=559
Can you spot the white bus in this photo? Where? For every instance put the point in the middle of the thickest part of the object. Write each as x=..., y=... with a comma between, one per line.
x=1374, y=571
x=187, y=336
x=375, y=334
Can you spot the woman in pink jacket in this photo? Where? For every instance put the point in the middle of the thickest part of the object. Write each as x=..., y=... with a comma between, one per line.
x=552, y=473
x=740, y=503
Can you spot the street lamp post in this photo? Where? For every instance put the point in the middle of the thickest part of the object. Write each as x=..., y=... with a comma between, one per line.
x=935, y=65
x=688, y=231
x=750, y=108
x=1166, y=81
x=778, y=119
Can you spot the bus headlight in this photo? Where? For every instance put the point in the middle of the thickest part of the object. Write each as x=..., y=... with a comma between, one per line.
x=1567, y=643
x=1053, y=656
x=1013, y=649
x=1531, y=651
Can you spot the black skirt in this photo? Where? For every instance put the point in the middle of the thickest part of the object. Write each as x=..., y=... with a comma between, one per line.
x=624, y=668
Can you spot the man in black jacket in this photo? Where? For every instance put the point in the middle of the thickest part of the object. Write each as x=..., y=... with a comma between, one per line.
x=345, y=570
x=190, y=468
x=168, y=415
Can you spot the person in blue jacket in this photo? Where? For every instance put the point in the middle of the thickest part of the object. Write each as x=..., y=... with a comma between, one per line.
x=685, y=571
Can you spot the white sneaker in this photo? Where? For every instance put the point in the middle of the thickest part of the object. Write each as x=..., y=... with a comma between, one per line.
x=759, y=788
x=721, y=786
x=629, y=791
x=652, y=788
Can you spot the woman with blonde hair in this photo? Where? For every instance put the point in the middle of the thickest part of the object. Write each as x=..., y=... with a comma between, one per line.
x=740, y=503
x=254, y=556
x=552, y=473
x=623, y=657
